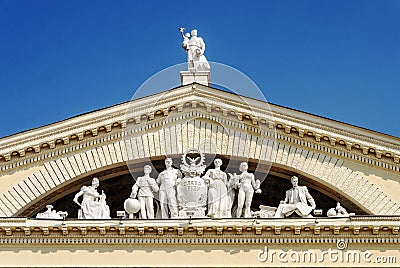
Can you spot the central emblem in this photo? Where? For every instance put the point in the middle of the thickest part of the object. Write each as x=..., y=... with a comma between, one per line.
x=191, y=190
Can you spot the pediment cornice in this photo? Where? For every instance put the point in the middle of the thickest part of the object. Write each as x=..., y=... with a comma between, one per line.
x=382, y=229
x=289, y=125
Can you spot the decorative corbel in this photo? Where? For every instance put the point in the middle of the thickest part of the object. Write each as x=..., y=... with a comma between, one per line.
x=301, y=133
x=66, y=140
x=21, y=152
x=318, y=137
x=332, y=141
x=348, y=145
x=94, y=132
x=220, y=230
x=52, y=144
x=199, y=230
x=160, y=230
x=36, y=148
x=27, y=231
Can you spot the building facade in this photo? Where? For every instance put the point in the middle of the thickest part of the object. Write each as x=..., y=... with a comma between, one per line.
x=337, y=162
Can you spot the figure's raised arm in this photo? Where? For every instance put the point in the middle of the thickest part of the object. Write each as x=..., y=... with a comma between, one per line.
x=181, y=30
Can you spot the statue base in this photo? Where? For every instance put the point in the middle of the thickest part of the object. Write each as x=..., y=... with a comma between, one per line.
x=201, y=77
x=199, y=212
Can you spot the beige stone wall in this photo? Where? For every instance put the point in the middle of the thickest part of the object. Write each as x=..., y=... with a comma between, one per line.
x=186, y=255
x=368, y=241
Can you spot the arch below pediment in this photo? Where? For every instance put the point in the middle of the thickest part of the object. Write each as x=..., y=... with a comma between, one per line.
x=328, y=173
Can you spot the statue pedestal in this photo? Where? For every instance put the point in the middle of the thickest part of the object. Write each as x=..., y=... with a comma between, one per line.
x=192, y=197
x=201, y=77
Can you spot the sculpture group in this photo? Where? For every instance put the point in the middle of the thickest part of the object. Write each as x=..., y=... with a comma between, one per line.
x=186, y=192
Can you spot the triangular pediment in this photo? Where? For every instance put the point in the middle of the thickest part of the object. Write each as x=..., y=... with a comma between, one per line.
x=46, y=162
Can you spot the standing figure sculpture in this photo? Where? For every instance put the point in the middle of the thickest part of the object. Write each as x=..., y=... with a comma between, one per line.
x=93, y=204
x=195, y=48
x=143, y=189
x=219, y=205
x=296, y=200
x=168, y=179
x=247, y=186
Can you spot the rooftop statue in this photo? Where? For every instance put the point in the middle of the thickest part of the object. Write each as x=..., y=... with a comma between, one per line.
x=195, y=47
x=93, y=204
x=297, y=200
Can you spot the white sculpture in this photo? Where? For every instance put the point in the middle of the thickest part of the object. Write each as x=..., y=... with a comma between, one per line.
x=338, y=211
x=219, y=204
x=51, y=214
x=247, y=185
x=143, y=189
x=297, y=200
x=93, y=204
x=195, y=48
x=192, y=191
x=264, y=212
x=131, y=206
x=168, y=179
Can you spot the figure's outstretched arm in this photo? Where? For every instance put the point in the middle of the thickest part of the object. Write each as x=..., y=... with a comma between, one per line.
x=159, y=178
x=135, y=189
x=256, y=184
x=153, y=185
x=310, y=199
x=77, y=196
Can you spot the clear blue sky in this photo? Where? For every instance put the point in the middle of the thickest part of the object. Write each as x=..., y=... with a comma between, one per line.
x=337, y=59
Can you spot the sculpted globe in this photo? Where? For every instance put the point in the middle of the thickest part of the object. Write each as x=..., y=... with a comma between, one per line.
x=132, y=205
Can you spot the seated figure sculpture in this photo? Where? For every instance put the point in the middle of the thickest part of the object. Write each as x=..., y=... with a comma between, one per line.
x=93, y=204
x=218, y=200
x=143, y=189
x=297, y=200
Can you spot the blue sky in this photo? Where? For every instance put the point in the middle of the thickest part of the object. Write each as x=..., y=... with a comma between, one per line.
x=337, y=59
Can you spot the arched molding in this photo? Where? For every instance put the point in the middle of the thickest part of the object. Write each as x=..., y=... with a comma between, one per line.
x=170, y=139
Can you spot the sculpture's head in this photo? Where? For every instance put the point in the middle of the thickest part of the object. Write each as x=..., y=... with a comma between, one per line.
x=243, y=166
x=217, y=162
x=95, y=182
x=194, y=32
x=295, y=181
x=168, y=162
x=187, y=35
x=147, y=169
